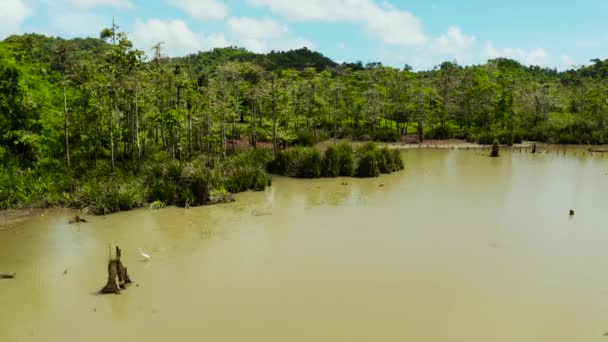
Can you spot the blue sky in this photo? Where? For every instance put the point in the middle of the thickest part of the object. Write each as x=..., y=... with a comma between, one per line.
x=419, y=33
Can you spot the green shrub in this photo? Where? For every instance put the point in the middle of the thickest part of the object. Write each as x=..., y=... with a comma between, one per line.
x=331, y=162
x=396, y=161
x=312, y=164
x=110, y=195
x=240, y=178
x=385, y=160
x=347, y=159
x=304, y=138
x=303, y=162
x=484, y=138
x=385, y=135
x=368, y=165
x=439, y=132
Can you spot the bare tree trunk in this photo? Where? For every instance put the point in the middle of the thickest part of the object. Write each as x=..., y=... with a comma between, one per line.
x=137, y=130
x=253, y=128
x=65, y=126
x=189, y=128
x=112, y=136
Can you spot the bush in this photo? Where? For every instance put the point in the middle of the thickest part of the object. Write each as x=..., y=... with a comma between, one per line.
x=396, y=161
x=504, y=137
x=438, y=132
x=312, y=164
x=304, y=138
x=240, y=178
x=303, y=162
x=368, y=165
x=353, y=133
x=110, y=195
x=347, y=159
x=331, y=162
x=373, y=161
x=384, y=158
x=483, y=138
x=385, y=135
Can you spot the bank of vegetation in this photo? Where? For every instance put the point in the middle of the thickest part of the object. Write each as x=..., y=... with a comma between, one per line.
x=95, y=123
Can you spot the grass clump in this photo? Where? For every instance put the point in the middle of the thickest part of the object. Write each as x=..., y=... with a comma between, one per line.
x=110, y=195
x=373, y=161
x=301, y=162
x=338, y=161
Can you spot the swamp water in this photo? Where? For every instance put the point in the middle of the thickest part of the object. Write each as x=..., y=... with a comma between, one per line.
x=458, y=247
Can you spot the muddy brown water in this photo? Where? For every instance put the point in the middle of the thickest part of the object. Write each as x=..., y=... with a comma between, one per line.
x=459, y=247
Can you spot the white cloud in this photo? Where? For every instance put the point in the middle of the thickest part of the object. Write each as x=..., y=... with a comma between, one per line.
x=178, y=39
x=393, y=26
x=263, y=35
x=453, y=41
x=528, y=57
x=202, y=9
x=12, y=14
x=102, y=3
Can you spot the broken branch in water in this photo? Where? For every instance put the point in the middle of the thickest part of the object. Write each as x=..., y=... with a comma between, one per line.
x=7, y=275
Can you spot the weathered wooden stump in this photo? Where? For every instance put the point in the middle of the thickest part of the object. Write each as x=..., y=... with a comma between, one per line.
x=534, y=148
x=77, y=219
x=495, y=149
x=118, y=277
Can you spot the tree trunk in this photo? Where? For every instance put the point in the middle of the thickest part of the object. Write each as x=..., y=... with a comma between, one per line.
x=137, y=131
x=112, y=136
x=66, y=126
x=189, y=128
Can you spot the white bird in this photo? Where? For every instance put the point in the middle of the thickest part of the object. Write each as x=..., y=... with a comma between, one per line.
x=144, y=255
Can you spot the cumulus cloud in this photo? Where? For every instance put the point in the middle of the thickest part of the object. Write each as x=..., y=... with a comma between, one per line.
x=528, y=57
x=202, y=9
x=12, y=14
x=263, y=35
x=453, y=41
x=177, y=37
x=393, y=26
x=102, y=3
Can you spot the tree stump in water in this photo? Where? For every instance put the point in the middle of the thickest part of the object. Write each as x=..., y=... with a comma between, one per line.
x=534, y=148
x=118, y=278
x=495, y=149
x=7, y=275
x=77, y=219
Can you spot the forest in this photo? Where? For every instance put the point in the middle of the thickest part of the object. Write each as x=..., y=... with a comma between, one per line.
x=95, y=123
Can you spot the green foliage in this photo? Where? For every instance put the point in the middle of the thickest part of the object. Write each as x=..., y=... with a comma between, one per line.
x=304, y=138
x=110, y=195
x=331, y=162
x=386, y=135
x=368, y=165
x=302, y=162
x=347, y=159
x=372, y=161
